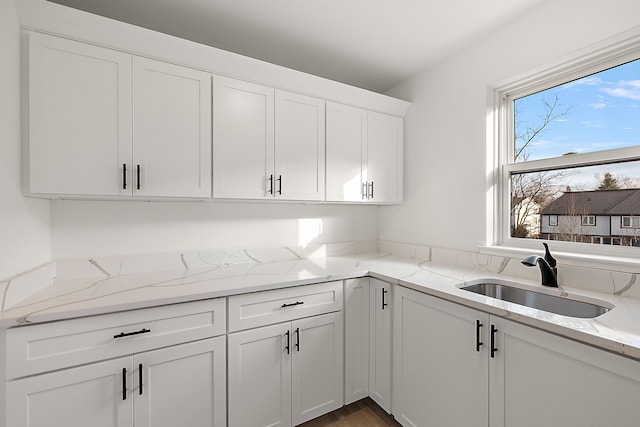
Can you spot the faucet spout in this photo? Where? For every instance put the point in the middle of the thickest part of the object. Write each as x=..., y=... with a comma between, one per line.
x=547, y=266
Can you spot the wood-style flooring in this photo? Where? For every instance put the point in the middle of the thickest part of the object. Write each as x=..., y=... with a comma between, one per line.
x=363, y=413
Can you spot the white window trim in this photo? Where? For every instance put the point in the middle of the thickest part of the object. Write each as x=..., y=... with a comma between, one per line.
x=616, y=50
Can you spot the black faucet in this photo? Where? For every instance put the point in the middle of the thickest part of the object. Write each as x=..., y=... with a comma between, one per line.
x=547, y=267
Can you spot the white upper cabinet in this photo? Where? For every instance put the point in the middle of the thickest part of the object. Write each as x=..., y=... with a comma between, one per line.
x=242, y=139
x=346, y=153
x=99, y=125
x=384, y=157
x=172, y=130
x=267, y=144
x=364, y=155
x=79, y=132
x=299, y=147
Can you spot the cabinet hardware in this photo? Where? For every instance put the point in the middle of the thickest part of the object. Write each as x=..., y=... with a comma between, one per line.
x=365, y=192
x=124, y=176
x=292, y=304
x=371, y=187
x=128, y=334
x=124, y=383
x=287, y=346
x=297, y=339
x=280, y=184
x=478, y=342
x=270, y=179
x=140, y=377
x=138, y=177
x=384, y=304
x=493, y=341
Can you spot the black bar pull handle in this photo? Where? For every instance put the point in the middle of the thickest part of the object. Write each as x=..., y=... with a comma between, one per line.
x=297, y=339
x=124, y=176
x=384, y=292
x=124, y=383
x=138, y=177
x=270, y=179
x=478, y=341
x=287, y=346
x=140, y=378
x=128, y=334
x=292, y=304
x=371, y=186
x=493, y=341
x=280, y=184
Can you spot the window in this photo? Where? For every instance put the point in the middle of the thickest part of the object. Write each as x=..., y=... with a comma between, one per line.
x=567, y=147
x=630, y=222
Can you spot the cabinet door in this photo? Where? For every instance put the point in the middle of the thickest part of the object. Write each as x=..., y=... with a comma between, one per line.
x=385, y=158
x=540, y=379
x=79, y=118
x=182, y=385
x=346, y=153
x=380, y=352
x=172, y=130
x=259, y=378
x=439, y=378
x=243, y=139
x=96, y=395
x=317, y=366
x=299, y=147
x=356, y=343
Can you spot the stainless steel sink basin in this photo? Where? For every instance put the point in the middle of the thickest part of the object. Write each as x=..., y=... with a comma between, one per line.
x=541, y=301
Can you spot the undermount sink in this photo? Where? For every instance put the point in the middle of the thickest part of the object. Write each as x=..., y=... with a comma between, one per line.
x=541, y=301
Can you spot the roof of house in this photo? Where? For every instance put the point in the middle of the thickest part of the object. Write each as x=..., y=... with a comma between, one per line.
x=597, y=202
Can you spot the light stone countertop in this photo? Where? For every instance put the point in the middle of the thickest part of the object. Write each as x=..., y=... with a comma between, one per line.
x=89, y=287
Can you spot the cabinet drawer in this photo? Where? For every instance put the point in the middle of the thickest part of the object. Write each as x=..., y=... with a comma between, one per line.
x=50, y=346
x=280, y=305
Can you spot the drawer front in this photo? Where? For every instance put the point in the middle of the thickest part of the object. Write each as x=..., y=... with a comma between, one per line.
x=281, y=305
x=50, y=346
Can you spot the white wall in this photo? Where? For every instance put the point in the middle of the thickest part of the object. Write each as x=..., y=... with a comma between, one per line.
x=24, y=222
x=93, y=228
x=445, y=128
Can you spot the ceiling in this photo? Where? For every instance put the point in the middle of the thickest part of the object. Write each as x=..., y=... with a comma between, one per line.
x=373, y=44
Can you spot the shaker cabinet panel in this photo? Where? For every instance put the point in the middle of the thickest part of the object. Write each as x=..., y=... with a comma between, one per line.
x=437, y=363
x=384, y=157
x=97, y=395
x=356, y=350
x=538, y=378
x=78, y=104
x=172, y=130
x=380, y=342
x=299, y=146
x=243, y=139
x=182, y=385
x=346, y=153
x=260, y=377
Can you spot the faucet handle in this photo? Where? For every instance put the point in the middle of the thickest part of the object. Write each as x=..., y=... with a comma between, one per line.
x=547, y=256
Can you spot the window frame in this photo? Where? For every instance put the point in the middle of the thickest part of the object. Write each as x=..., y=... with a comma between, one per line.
x=612, y=52
x=587, y=220
x=553, y=223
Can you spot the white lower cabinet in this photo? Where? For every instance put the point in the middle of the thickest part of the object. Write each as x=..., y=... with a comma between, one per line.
x=380, y=343
x=356, y=343
x=540, y=379
x=439, y=377
x=456, y=366
x=286, y=374
x=179, y=385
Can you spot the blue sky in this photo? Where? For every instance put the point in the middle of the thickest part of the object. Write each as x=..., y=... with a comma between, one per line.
x=600, y=112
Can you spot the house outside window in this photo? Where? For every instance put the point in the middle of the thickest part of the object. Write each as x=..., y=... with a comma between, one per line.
x=630, y=222
x=567, y=142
